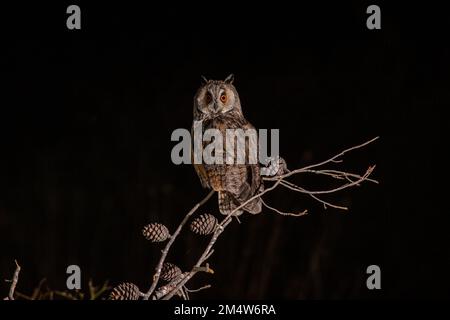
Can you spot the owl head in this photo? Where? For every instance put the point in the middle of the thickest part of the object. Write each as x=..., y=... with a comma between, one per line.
x=215, y=98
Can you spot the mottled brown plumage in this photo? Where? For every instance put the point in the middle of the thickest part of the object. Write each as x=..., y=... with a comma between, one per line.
x=217, y=106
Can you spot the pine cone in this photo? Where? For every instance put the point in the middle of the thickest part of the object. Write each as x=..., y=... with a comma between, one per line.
x=169, y=271
x=125, y=291
x=203, y=225
x=156, y=232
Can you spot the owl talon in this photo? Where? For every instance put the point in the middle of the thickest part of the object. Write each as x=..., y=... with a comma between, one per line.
x=276, y=166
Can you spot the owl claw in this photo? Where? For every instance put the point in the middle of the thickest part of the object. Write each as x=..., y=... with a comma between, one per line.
x=276, y=166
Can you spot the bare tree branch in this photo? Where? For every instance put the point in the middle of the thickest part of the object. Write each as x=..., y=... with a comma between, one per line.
x=172, y=286
x=97, y=291
x=14, y=281
x=351, y=180
x=332, y=159
x=336, y=174
x=219, y=229
x=298, y=214
x=294, y=187
x=352, y=183
x=170, y=242
x=199, y=289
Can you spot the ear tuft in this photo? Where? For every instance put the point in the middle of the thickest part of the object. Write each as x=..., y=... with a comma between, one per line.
x=229, y=79
x=204, y=80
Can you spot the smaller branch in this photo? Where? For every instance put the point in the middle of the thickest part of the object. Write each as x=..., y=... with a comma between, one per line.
x=14, y=281
x=22, y=296
x=92, y=289
x=351, y=183
x=209, y=254
x=339, y=175
x=66, y=295
x=34, y=295
x=314, y=194
x=184, y=294
x=298, y=214
x=332, y=159
x=199, y=289
x=296, y=188
x=169, y=244
x=97, y=291
x=220, y=228
x=170, y=287
x=326, y=203
x=206, y=268
x=347, y=185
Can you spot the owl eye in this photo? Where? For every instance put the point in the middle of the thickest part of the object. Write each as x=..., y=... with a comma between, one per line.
x=223, y=97
x=208, y=98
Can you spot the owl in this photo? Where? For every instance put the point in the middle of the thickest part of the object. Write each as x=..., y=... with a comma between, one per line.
x=217, y=106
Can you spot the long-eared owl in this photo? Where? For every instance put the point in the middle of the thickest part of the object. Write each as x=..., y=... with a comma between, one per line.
x=217, y=106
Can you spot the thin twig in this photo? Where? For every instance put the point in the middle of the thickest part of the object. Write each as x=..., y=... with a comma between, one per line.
x=169, y=244
x=298, y=214
x=296, y=188
x=206, y=268
x=336, y=174
x=342, y=187
x=209, y=254
x=97, y=291
x=183, y=294
x=199, y=289
x=21, y=296
x=14, y=281
x=64, y=294
x=332, y=159
x=186, y=293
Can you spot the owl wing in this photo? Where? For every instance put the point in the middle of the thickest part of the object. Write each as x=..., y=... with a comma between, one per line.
x=252, y=183
x=201, y=171
x=253, y=170
x=203, y=175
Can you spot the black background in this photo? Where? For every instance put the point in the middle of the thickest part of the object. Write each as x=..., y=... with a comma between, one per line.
x=86, y=118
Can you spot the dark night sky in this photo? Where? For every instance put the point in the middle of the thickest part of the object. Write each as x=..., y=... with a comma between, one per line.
x=86, y=118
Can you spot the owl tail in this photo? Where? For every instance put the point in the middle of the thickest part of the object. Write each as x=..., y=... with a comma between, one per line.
x=228, y=203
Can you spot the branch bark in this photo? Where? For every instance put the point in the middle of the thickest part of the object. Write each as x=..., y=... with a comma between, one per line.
x=14, y=281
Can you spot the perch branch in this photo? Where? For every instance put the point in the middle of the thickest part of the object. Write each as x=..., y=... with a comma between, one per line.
x=352, y=181
x=206, y=253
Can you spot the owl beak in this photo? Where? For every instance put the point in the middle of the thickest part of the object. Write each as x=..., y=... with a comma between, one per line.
x=215, y=107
